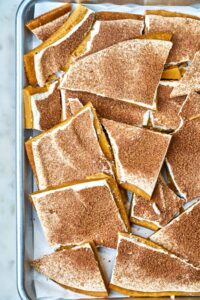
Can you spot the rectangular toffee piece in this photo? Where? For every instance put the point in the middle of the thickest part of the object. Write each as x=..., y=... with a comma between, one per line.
x=144, y=269
x=181, y=236
x=108, y=108
x=85, y=210
x=55, y=52
x=183, y=155
x=139, y=155
x=157, y=212
x=110, y=28
x=46, y=24
x=185, y=30
x=42, y=106
x=72, y=150
x=166, y=117
x=74, y=268
x=103, y=73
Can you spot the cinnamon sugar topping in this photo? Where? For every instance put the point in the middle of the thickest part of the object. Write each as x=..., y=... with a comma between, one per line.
x=183, y=159
x=191, y=107
x=138, y=153
x=43, y=32
x=185, y=39
x=74, y=268
x=108, y=33
x=166, y=117
x=190, y=80
x=162, y=207
x=128, y=71
x=112, y=109
x=69, y=152
x=85, y=211
x=181, y=236
x=70, y=105
x=46, y=108
x=143, y=268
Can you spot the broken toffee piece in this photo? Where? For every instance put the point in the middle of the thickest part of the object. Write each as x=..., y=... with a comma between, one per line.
x=84, y=210
x=181, y=236
x=190, y=82
x=108, y=108
x=159, y=211
x=183, y=155
x=112, y=28
x=139, y=155
x=72, y=150
x=166, y=117
x=42, y=106
x=46, y=24
x=103, y=73
x=55, y=52
x=142, y=268
x=185, y=30
x=74, y=268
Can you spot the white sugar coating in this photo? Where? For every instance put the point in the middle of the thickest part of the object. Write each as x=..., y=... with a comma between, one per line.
x=155, y=208
x=77, y=187
x=34, y=99
x=170, y=169
x=64, y=107
x=93, y=33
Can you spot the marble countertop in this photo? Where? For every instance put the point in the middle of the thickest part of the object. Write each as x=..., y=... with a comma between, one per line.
x=8, y=289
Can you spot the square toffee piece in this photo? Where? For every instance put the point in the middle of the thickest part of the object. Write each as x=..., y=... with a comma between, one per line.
x=85, y=210
x=72, y=150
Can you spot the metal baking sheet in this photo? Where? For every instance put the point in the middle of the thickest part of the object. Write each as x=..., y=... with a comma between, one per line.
x=26, y=217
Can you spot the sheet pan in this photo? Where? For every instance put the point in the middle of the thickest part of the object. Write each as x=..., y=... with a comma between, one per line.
x=24, y=178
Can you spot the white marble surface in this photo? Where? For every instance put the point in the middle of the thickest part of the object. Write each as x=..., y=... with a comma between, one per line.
x=7, y=151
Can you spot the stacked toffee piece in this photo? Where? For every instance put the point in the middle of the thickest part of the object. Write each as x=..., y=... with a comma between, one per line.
x=115, y=96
